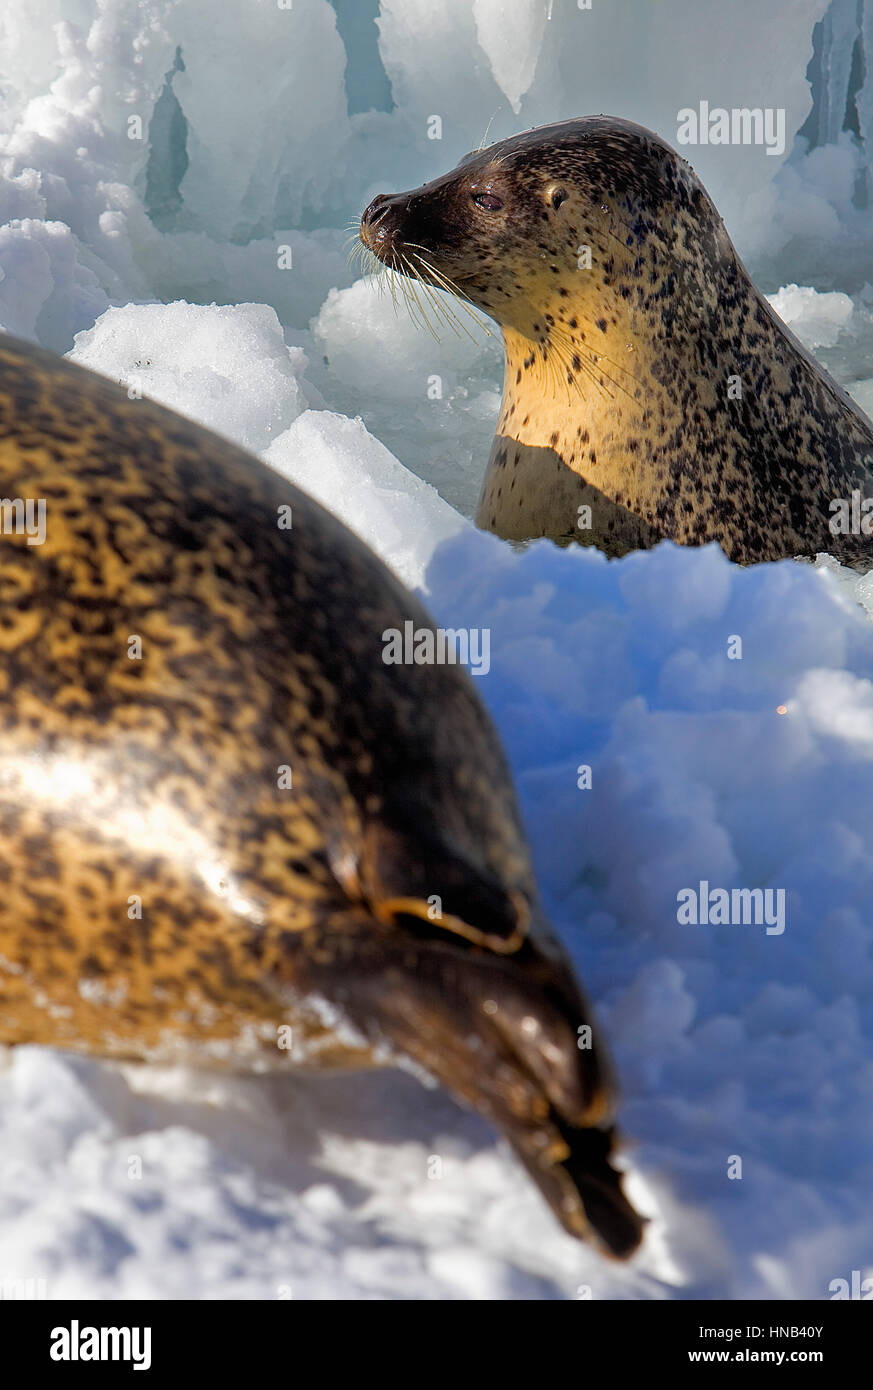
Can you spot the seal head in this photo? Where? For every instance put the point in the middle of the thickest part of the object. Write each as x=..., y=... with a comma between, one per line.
x=650, y=391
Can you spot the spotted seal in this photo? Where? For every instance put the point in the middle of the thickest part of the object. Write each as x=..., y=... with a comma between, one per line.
x=223, y=816
x=650, y=391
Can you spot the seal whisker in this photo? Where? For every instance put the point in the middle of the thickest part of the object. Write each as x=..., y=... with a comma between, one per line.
x=370, y=266
x=442, y=310
x=587, y=356
x=568, y=354
x=392, y=285
x=619, y=367
x=415, y=279
x=571, y=350
x=550, y=360
x=444, y=307
x=411, y=299
x=451, y=287
x=484, y=141
x=358, y=254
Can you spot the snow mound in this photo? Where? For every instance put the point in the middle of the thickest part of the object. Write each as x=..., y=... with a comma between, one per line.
x=817, y=319
x=336, y=461
x=355, y=321
x=224, y=366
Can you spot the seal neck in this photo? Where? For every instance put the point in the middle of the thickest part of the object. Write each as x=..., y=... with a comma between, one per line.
x=580, y=398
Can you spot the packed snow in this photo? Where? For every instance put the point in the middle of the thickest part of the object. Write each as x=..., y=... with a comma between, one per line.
x=226, y=366
x=176, y=188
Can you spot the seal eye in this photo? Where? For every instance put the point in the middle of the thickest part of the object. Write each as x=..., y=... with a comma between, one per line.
x=489, y=201
x=557, y=197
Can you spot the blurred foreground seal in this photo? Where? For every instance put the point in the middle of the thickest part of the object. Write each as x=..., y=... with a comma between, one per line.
x=650, y=391
x=222, y=815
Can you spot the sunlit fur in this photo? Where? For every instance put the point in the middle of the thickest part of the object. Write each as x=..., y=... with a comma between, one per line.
x=626, y=314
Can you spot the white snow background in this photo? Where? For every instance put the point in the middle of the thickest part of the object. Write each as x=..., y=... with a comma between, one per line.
x=155, y=159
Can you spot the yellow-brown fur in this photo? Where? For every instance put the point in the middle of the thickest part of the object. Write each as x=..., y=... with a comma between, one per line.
x=646, y=378
x=162, y=895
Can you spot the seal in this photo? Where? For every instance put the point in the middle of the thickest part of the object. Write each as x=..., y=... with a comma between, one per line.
x=227, y=825
x=650, y=391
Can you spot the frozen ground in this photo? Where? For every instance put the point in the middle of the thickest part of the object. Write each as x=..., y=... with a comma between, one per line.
x=204, y=264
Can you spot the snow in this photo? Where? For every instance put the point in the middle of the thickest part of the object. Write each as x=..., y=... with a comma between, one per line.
x=337, y=462
x=202, y=262
x=227, y=367
x=817, y=319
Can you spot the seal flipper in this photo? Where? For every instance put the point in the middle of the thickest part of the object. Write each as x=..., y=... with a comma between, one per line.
x=501, y=1034
x=588, y=1197
x=487, y=1002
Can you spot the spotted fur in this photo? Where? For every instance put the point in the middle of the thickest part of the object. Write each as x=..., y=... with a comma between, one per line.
x=157, y=779
x=616, y=389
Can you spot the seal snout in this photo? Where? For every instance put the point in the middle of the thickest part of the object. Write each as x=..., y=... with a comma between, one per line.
x=548, y=1089
x=372, y=212
x=376, y=232
x=506, y=1033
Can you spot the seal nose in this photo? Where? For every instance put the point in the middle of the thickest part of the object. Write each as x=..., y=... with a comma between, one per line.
x=374, y=232
x=371, y=214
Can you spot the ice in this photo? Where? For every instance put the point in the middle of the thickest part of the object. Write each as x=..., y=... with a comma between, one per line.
x=407, y=356
x=280, y=93
x=192, y=266
x=432, y=397
x=252, y=144
x=227, y=367
x=512, y=49
x=45, y=292
x=863, y=394
x=817, y=319
x=836, y=40
x=335, y=460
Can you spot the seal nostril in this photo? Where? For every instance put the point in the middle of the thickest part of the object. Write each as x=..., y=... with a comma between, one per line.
x=371, y=212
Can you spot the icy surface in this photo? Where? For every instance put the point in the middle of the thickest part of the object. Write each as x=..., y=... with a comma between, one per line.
x=227, y=367
x=177, y=181
x=817, y=319
x=512, y=49
x=336, y=461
